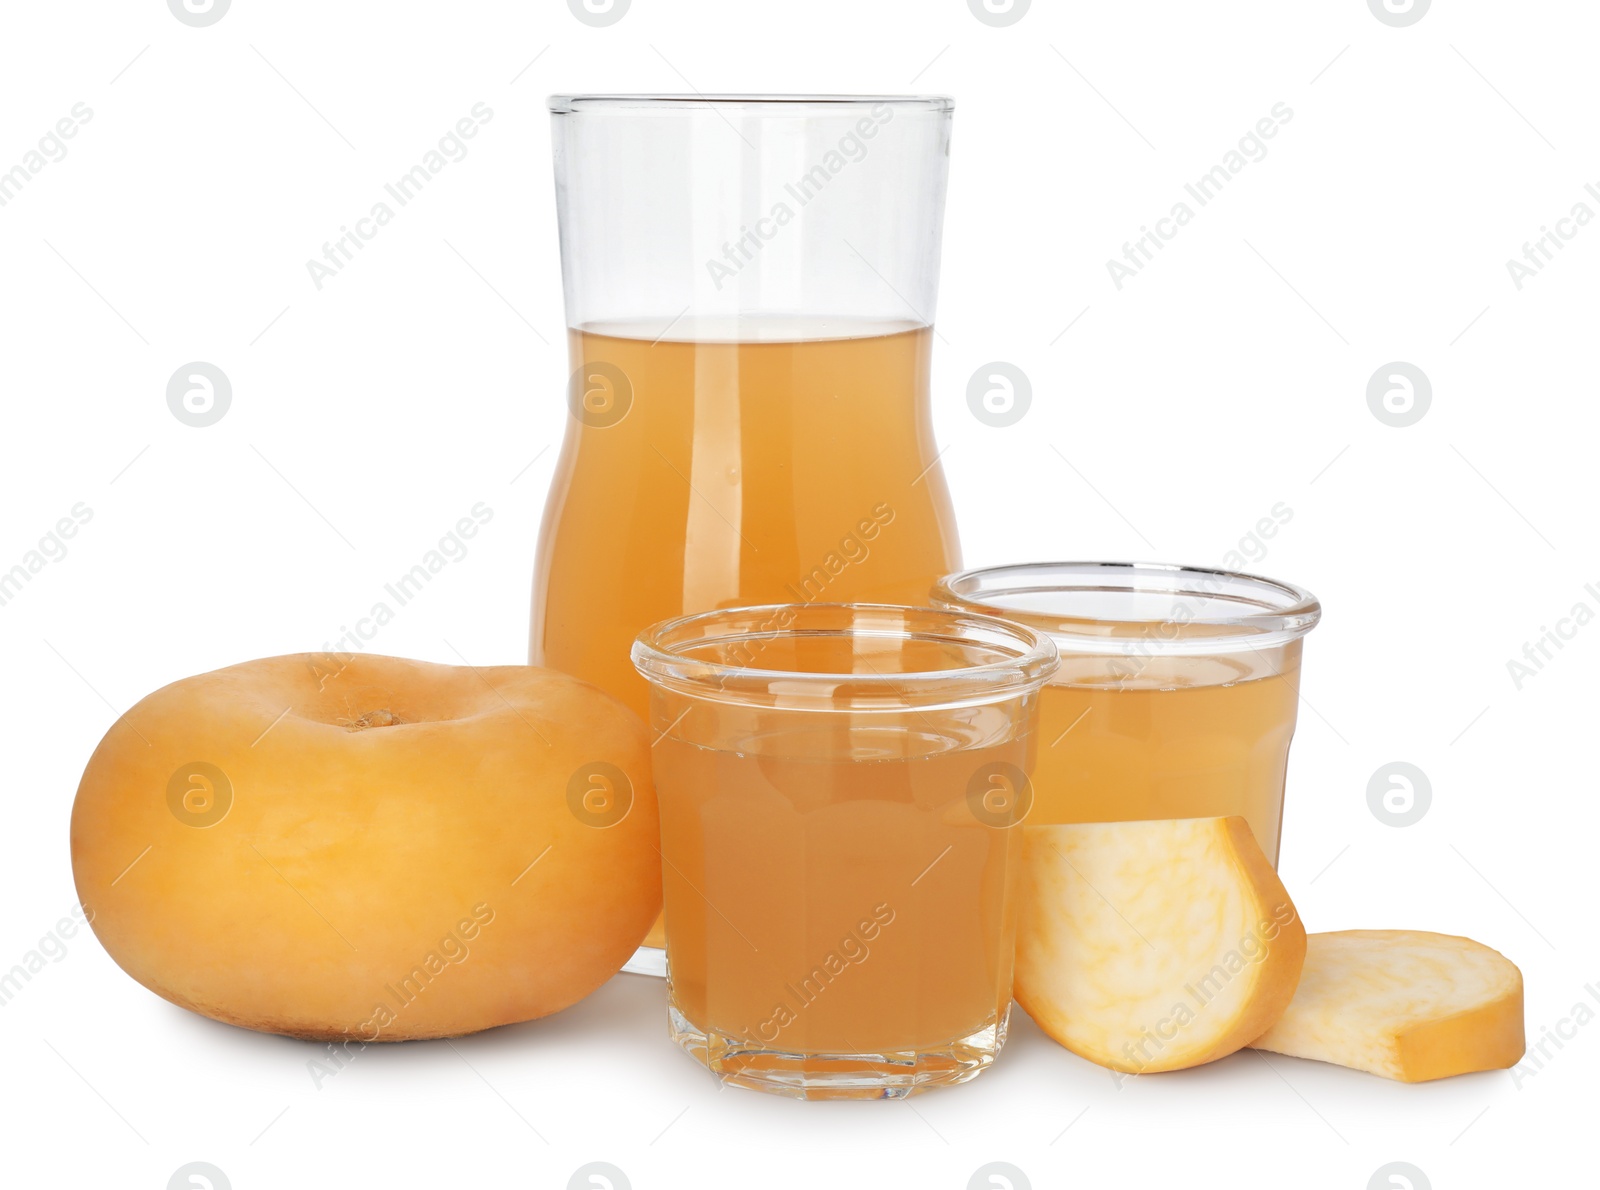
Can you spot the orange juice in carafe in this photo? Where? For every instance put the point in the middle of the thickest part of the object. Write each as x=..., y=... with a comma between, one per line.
x=750, y=284
x=700, y=473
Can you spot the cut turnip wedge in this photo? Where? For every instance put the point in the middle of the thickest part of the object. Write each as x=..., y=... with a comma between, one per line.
x=1149, y=946
x=1405, y=1004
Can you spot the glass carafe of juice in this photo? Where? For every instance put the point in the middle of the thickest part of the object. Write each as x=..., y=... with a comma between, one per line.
x=750, y=286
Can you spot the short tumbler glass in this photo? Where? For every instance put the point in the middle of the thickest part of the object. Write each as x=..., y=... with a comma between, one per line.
x=1177, y=692
x=837, y=783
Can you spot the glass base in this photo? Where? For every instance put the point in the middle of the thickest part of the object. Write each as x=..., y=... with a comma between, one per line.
x=894, y=1075
x=648, y=960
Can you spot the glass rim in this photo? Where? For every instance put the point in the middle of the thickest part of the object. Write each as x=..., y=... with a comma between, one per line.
x=768, y=104
x=1287, y=612
x=658, y=655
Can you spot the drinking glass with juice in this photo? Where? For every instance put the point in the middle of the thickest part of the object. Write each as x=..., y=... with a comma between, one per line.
x=750, y=285
x=836, y=866
x=1177, y=692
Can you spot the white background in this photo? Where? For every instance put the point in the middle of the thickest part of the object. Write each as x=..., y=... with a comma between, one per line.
x=1228, y=376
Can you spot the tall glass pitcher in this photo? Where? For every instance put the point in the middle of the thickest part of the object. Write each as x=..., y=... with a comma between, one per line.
x=750, y=285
